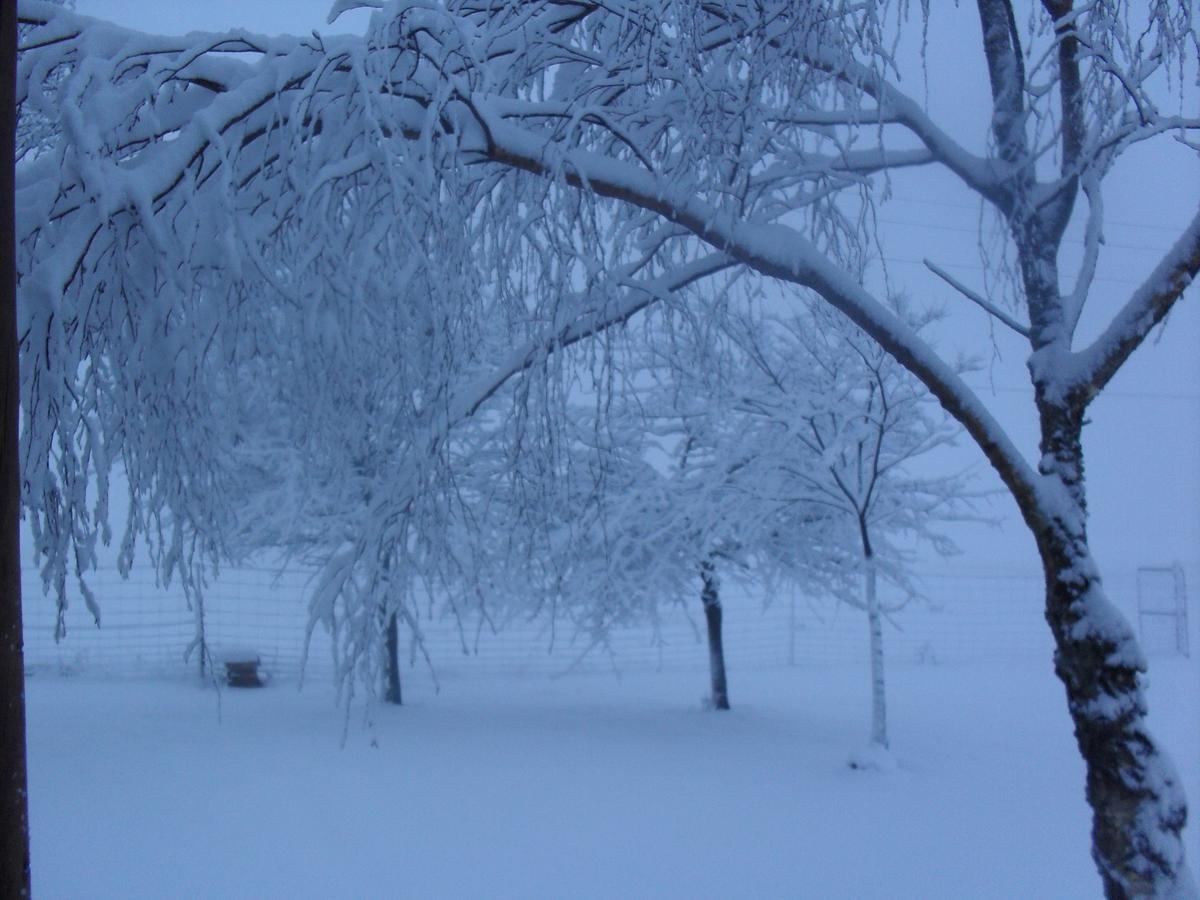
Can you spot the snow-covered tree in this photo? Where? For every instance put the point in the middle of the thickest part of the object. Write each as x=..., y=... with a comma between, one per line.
x=794, y=437
x=613, y=551
x=634, y=148
x=838, y=424
x=740, y=519
x=334, y=404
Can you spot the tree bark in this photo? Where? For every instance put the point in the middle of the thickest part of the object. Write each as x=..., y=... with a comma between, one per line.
x=392, y=690
x=14, y=805
x=879, y=735
x=1138, y=807
x=711, y=598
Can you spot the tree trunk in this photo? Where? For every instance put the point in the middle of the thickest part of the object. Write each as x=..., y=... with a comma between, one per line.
x=1138, y=807
x=711, y=598
x=392, y=691
x=879, y=735
x=14, y=806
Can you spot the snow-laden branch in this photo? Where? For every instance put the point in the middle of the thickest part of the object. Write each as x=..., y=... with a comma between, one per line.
x=894, y=106
x=465, y=403
x=1094, y=366
x=778, y=251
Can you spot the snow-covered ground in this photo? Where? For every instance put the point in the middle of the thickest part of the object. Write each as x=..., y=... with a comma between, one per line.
x=580, y=786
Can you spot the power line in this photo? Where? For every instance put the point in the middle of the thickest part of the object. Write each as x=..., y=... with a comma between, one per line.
x=972, y=231
x=978, y=268
x=1132, y=395
x=975, y=208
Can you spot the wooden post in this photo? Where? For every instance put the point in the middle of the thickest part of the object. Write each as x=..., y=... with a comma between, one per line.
x=792, y=629
x=14, y=805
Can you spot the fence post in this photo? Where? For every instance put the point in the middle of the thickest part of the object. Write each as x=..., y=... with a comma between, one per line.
x=792, y=629
x=201, y=635
x=14, y=808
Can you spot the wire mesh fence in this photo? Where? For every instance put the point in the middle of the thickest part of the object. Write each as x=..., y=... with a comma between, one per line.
x=146, y=629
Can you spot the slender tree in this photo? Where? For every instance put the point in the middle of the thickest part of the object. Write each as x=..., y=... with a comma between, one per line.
x=839, y=425
x=743, y=519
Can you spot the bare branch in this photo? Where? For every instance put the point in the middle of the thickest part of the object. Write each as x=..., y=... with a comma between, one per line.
x=983, y=303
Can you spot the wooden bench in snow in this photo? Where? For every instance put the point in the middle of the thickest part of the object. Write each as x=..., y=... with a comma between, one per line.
x=241, y=667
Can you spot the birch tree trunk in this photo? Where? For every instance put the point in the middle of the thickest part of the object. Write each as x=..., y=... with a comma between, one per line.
x=879, y=736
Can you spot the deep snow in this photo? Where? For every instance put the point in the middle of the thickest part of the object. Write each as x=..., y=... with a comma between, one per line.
x=581, y=786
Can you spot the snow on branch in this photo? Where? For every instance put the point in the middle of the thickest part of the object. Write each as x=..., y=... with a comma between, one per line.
x=1095, y=365
x=780, y=252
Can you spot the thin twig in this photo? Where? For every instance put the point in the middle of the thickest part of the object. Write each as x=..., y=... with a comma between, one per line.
x=971, y=295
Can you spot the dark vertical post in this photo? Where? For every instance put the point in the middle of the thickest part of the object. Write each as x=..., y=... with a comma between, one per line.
x=792, y=630
x=202, y=635
x=14, y=804
x=710, y=596
x=392, y=694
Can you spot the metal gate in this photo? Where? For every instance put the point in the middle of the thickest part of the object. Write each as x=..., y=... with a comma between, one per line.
x=1162, y=609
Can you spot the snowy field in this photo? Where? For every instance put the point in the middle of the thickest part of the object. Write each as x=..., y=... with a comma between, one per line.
x=582, y=786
